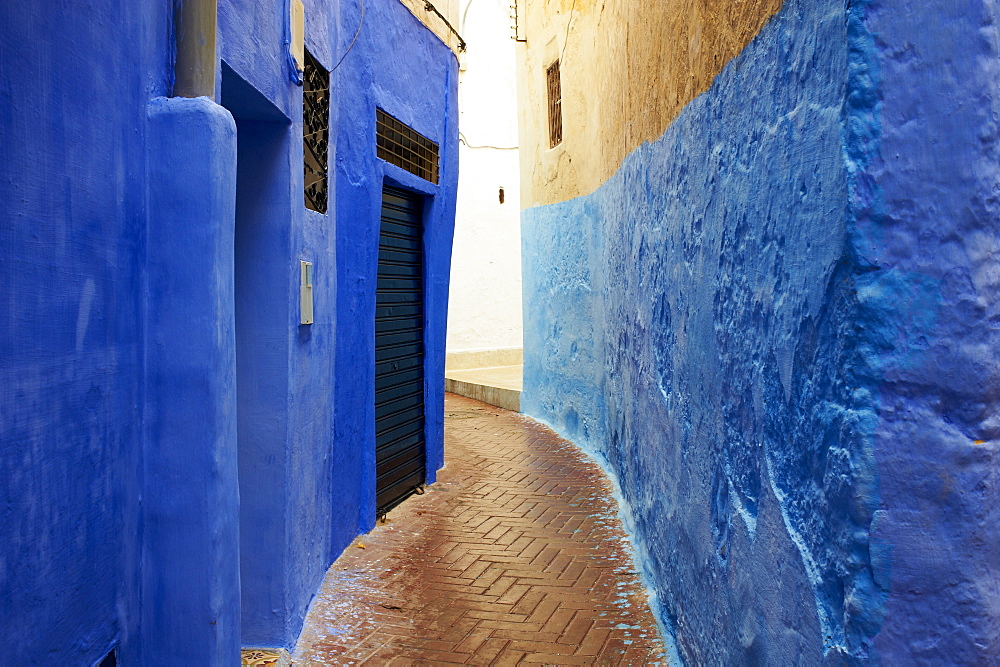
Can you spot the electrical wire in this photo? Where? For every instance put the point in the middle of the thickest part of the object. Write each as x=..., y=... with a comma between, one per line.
x=462, y=139
x=361, y=22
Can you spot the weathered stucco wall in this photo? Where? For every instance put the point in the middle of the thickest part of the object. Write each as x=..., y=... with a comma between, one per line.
x=927, y=166
x=306, y=392
x=288, y=490
x=627, y=68
x=191, y=555
x=776, y=324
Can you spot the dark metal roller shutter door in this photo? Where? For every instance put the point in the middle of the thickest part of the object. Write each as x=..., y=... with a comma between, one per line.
x=400, y=459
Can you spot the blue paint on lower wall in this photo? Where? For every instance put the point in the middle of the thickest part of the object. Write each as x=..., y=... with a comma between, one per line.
x=779, y=341
x=929, y=199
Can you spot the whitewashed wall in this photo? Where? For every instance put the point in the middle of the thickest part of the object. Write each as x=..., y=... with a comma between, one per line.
x=485, y=304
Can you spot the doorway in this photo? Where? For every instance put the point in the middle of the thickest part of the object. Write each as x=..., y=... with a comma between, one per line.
x=400, y=456
x=261, y=285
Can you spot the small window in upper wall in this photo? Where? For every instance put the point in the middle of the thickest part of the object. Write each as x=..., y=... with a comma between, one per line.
x=555, y=104
x=315, y=132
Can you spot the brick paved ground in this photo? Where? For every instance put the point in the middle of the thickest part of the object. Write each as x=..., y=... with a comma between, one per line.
x=515, y=556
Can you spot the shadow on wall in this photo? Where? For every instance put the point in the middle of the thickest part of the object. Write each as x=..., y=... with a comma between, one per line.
x=261, y=252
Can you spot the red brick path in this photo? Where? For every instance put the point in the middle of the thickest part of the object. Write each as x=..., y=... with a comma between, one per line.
x=515, y=556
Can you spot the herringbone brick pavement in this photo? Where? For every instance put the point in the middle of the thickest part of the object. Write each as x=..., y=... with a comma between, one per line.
x=515, y=556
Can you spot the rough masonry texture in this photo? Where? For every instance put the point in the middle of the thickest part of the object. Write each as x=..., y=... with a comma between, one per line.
x=777, y=326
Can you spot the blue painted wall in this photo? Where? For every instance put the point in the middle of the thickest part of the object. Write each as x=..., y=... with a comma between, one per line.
x=306, y=395
x=420, y=90
x=74, y=91
x=775, y=326
x=173, y=481
x=191, y=552
x=285, y=483
x=925, y=198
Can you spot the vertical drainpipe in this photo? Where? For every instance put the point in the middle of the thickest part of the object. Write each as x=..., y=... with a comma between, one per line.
x=194, y=35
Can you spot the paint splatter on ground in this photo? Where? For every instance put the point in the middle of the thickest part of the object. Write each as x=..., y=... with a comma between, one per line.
x=515, y=556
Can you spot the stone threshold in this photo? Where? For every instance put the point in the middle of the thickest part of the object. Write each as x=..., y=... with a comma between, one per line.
x=495, y=385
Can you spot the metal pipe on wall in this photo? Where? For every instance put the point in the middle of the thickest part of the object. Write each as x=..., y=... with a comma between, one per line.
x=194, y=40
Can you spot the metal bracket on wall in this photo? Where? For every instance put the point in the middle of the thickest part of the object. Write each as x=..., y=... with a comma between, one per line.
x=431, y=8
x=515, y=24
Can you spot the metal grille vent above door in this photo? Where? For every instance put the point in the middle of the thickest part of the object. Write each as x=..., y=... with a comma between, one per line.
x=400, y=458
x=401, y=145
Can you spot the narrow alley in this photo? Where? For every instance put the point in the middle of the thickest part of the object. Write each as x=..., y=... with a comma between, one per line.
x=515, y=556
x=499, y=332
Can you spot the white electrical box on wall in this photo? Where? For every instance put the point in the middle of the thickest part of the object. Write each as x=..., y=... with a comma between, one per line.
x=306, y=292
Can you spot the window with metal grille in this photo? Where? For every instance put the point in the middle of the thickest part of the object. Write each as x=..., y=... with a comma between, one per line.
x=315, y=132
x=404, y=147
x=555, y=104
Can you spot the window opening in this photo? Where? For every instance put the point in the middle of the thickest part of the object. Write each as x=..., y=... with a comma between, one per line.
x=315, y=132
x=554, y=86
x=404, y=147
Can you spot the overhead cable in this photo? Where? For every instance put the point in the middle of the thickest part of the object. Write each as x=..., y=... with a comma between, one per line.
x=361, y=22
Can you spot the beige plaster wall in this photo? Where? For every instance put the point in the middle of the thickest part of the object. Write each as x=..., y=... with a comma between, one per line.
x=627, y=69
